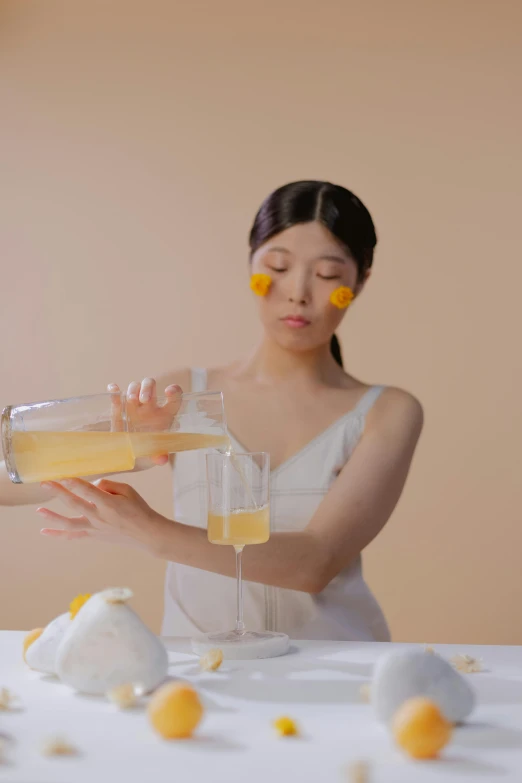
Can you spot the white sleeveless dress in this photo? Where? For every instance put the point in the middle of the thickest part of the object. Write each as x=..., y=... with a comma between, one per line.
x=199, y=601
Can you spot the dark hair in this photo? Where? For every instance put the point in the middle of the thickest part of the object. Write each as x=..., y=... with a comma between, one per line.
x=338, y=209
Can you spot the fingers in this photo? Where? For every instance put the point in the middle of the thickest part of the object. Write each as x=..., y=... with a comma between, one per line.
x=172, y=403
x=68, y=536
x=148, y=390
x=76, y=524
x=115, y=487
x=69, y=491
x=161, y=459
x=146, y=463
x=116, y=408
x=142, y=392
x=141, y=398
x=93, y=494
x=145, y=391
x=133, y=391
x=145, y=413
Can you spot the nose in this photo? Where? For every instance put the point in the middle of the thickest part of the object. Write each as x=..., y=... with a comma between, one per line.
x=299, y=290
x=302, y=300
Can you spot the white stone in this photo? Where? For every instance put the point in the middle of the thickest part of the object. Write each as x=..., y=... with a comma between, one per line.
x=108, y=645
x=404, y=674
x=41, y=655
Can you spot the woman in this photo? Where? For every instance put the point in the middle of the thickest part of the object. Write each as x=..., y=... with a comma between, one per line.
x=340, y=449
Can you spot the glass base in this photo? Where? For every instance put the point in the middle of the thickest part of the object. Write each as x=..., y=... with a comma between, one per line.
x=243, y=646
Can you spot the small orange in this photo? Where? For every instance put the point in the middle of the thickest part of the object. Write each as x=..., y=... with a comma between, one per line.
x=77, y=603
x=420, y=729
x=175, y=710
x=31, y=637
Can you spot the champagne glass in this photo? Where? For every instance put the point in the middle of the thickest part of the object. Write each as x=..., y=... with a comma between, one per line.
x=239, y=515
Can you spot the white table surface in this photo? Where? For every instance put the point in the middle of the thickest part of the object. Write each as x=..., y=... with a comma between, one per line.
x=317, y=684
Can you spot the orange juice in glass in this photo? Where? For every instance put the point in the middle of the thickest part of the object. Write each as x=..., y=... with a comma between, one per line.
x=239, y=516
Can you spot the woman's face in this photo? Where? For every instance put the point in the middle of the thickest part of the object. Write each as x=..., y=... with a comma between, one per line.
x=306, y=264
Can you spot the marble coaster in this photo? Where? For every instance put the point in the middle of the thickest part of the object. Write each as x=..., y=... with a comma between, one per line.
x=249, y=647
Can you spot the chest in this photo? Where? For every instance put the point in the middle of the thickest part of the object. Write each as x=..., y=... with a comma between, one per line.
x=280, y=424
x=297, y=486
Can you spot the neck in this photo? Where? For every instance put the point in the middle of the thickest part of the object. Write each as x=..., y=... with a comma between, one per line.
x=271, y=363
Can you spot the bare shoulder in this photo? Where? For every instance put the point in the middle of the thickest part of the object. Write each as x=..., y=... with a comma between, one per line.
x=395, y=411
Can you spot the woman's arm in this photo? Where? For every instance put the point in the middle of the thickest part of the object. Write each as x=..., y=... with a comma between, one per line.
x=21, y=494
x=351, y=515
x=354, y=511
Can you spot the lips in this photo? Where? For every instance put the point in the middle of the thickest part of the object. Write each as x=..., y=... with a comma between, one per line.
x=296, y=321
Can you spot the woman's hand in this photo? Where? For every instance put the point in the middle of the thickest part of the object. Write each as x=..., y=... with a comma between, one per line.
x=144, y=414
x=107, y=510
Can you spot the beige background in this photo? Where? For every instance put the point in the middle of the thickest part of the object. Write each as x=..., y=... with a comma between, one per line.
x=136, y=142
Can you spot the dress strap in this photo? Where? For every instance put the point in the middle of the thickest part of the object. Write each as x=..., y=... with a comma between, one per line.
x=367, y=400
x=198, y=379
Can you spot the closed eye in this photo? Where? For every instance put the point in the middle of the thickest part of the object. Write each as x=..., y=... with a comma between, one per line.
x=276, y=269
x=330, y=277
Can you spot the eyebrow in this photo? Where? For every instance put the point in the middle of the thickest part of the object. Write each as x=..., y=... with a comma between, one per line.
x=338, y=259
x=275, y=249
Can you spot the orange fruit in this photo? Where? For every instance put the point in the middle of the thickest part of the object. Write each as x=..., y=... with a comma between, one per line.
x=77, y=603
x=420, y=729
x=31, y=637
x=175, y=711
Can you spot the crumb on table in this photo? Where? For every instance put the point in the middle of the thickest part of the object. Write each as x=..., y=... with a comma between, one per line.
x=58, y=746
x=359, y=772
x=6, y=699
x=286, y=727
x=123, y=696
x=466, y=664
x=212, y=660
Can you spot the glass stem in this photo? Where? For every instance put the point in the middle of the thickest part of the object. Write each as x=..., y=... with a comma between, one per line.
x=240, y=625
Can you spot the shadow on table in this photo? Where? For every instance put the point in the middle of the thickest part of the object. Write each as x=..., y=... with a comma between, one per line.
x=52, y=678
x=215, y=744
x=305, y=683
x=210, y=704
x=487, y=735
x=460, y=765
x=141, y=705
x=494, y=690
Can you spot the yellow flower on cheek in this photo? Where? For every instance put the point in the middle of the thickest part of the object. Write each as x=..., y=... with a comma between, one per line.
x=260, y=284
x=342, y=297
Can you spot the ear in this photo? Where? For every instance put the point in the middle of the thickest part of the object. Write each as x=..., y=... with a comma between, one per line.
x=360, y=285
